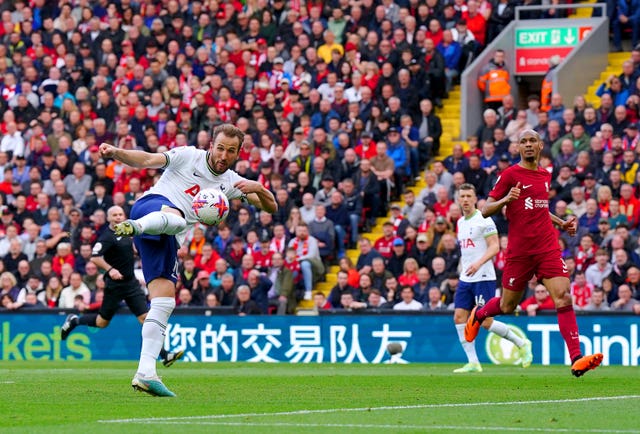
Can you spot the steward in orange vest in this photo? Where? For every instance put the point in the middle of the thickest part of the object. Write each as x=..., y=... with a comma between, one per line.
x=547, y=85
x=493, y=80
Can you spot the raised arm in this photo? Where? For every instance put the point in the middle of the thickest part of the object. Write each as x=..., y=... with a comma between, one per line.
x=258, y=195
x=493, y=206
x=570, y=225
x=139, y=159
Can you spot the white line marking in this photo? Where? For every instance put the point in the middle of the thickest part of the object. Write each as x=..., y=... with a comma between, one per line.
x=388, y=426
x=350, y=410
x=7, y=382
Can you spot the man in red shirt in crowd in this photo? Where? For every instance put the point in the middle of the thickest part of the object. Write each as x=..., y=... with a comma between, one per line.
x=263, y=257
x=533, y=248
x=384, y=244
x=540, y=300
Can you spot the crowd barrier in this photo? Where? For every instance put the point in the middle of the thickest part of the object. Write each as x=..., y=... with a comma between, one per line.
x=333, y=337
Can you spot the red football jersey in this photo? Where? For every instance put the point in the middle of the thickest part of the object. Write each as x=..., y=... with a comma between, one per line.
x=530, y=228
x=384, y=247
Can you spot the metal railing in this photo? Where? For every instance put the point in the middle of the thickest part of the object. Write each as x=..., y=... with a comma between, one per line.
x=601, y=6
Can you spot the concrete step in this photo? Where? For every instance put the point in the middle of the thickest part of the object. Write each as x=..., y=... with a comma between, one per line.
x=305, y=304
x=324, y=287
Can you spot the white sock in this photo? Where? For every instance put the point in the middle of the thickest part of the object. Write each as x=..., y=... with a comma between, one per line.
x=468, y=347
x=159, y=222
x=153, y=333
x=502, y=330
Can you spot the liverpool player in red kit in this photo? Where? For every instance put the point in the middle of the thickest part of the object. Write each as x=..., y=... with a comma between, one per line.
x=533, y=248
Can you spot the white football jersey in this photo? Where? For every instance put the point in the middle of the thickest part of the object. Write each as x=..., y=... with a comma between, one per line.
x=472, y=233
x=186, y=173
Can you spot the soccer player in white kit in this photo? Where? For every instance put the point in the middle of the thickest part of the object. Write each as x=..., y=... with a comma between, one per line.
x=478, y=240
x=160, y=219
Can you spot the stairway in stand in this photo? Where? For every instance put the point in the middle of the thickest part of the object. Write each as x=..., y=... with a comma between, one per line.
x=450, y=117
x=614, y=67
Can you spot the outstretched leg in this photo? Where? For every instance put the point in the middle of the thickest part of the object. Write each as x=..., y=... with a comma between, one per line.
x=559, y=288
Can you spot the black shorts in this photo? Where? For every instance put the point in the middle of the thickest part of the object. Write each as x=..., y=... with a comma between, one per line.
x=129, y=291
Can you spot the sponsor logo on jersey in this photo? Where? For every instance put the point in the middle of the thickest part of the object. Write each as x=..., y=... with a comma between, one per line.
x=467, y=243
x=524, y=187
x=528, y=203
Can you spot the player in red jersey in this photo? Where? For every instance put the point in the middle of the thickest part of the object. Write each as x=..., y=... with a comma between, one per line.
x=533, y=248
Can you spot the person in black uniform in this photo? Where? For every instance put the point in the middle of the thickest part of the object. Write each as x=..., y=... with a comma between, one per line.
x=115, y=255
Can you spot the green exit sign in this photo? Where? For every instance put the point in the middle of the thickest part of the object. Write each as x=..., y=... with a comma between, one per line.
x=550, y=37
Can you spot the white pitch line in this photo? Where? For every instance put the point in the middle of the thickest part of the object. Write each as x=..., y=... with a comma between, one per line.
x=7, y=382
x=389, y=426
x=349, y=410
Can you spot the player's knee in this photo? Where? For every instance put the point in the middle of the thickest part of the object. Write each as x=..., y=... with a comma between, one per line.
x=101, y=322
x=174, y=223
x=562, y=300
x=508, y=306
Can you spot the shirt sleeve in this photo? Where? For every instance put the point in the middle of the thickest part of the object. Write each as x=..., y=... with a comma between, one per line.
x=489, y=227
x=102, y=246
x=502, y=186
x=180, y=156
x=234, y=193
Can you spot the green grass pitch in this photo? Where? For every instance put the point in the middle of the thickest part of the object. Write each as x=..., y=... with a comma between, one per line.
x=96, y=397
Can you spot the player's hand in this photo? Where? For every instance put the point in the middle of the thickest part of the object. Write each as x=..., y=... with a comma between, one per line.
x=114, y=274
x=107, y=150
x=472, y=269
x=571, y=225
x=246, y=186
x=514, y=193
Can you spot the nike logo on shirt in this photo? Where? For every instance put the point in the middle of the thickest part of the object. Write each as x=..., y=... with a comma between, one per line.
x=196, y=174
x=524, y=187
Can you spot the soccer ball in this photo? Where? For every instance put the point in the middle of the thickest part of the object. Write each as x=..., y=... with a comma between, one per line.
x=211, y=206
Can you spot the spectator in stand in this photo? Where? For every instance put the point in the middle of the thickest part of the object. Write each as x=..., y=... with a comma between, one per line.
x=456, y=162
x=452, y=52
x=490, y=123
x=320, y=302
x=476, y=175
x=408, y=302
x=539, y=301
x=76, y=287
x=434, y=301
x=429, y=129
x=629, y=206
x=308, y=254
x=243, y=304
x=322, y=229
x=383, y=167
x=341, y=287
x=626, y=15
x=493, y=79
x=367, y=255
x=598, y=302
x=625, y=302
x=384, y=244
x=581, y=291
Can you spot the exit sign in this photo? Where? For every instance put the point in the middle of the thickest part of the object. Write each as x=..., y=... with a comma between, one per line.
x=535, y=45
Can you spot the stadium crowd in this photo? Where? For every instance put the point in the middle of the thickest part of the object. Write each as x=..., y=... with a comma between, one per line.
x=338, y=100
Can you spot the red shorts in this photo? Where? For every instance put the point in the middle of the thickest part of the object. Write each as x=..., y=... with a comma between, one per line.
x=518, y=271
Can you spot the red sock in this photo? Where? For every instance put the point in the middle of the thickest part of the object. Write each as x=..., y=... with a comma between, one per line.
x=491, y=308
x=569, y=331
